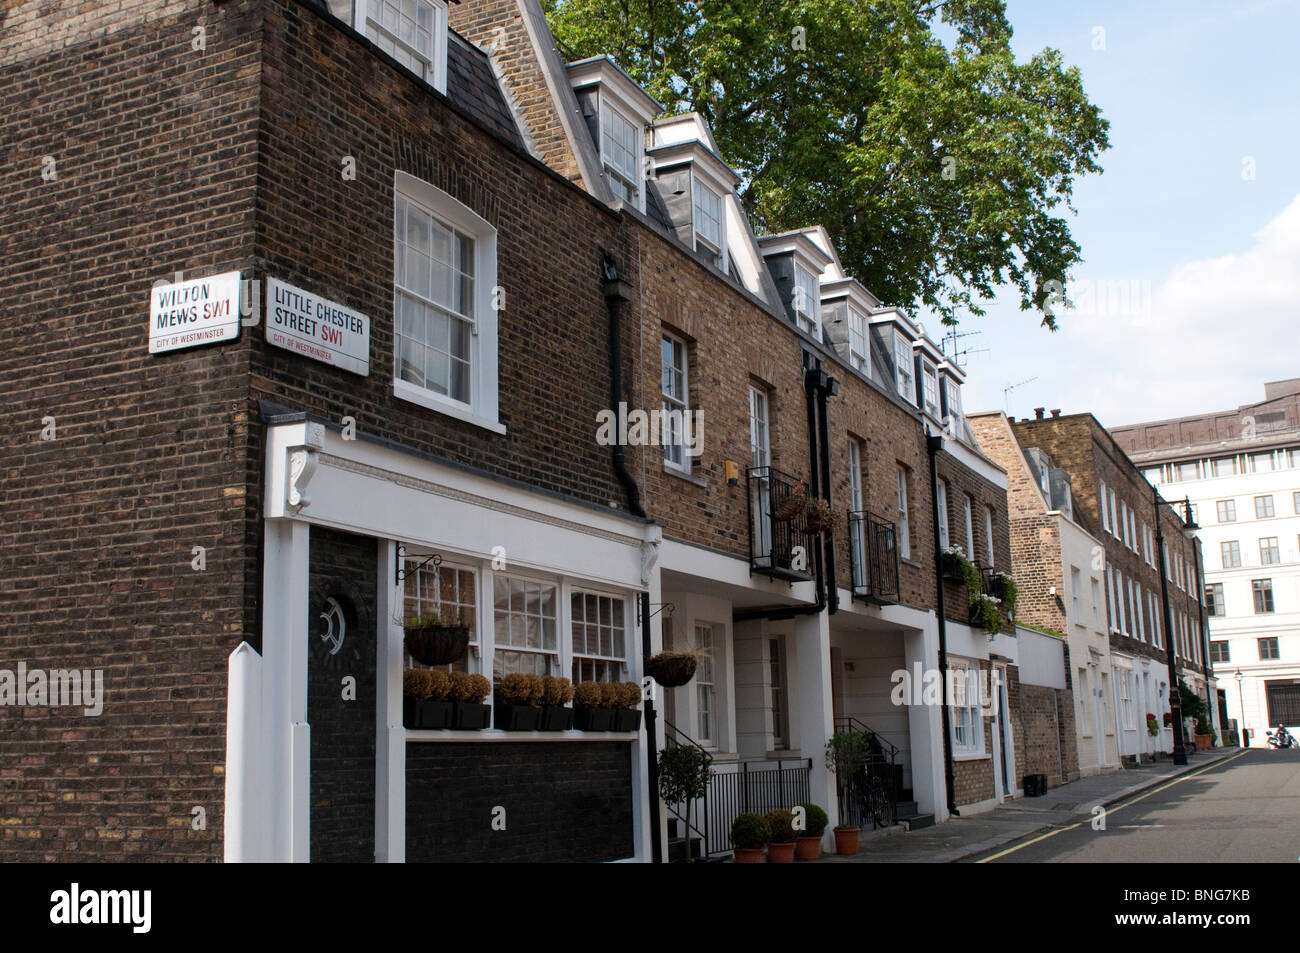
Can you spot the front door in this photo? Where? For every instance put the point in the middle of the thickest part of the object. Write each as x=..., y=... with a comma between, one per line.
x=341, y=695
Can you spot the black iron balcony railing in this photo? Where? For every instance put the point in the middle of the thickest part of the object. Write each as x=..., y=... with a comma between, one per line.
x=779, y=542
x=873, y=558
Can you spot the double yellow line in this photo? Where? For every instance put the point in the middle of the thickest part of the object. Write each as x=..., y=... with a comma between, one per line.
x=1111, y=810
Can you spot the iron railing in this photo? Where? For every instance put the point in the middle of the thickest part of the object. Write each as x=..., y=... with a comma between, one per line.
x=779, y=542
x=694, y=815
x=753, y=787
x=873, y=557
x=870, y=796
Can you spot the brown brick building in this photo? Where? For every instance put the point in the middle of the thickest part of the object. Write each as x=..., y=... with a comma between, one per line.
x=432, y=264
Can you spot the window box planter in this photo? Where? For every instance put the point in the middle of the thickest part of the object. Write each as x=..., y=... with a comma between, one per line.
x=426, y=713
x=627, y=719
x=471, y=716
x=517, y=717
x=437, y=644
x=555, y=718
x=952, y=568
x=593, y=719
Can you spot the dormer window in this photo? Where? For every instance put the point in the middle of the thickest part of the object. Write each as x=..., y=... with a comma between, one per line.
x=620, y=141
x=806, y=304
x=952, y=394
x=930, y=388
x=859, y=349
x=413, y=32
x=904, y=374
x=709, y=228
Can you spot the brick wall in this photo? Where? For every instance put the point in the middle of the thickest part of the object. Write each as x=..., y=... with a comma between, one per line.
x=155, y=155
x=562, y=802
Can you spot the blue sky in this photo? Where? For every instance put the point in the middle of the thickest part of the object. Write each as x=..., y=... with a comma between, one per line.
x=1211, y=258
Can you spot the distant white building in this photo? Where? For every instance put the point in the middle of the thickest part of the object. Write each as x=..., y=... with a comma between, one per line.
x=1241, y=469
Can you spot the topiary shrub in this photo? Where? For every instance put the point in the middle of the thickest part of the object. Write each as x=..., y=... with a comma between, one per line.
x=469, y=689
x=520, y=689
x=750, y=832
x=556, y=691
x=781, y=823
x=631, y=694
x=440, y=685
x=587, y=695
x=611, y=694
x=815, y=821
x=417, y=683
x=683, y=773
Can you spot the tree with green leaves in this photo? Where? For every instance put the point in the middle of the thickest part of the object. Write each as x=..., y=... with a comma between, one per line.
x=939, y=164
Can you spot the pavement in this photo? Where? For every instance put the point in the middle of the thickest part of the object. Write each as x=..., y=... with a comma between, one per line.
x=967, y=836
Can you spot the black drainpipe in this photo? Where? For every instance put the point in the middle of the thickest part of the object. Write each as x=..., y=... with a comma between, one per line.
x=775, y=613
x=933, y=444
x=616, y=292
x=827, y=386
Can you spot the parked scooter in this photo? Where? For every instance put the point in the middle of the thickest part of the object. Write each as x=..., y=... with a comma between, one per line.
x=1282, y=738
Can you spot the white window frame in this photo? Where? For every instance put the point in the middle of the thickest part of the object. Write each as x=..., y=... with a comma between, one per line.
x=1271, y=508
x=367, y=12
x=967, y=717
x=613, y=659
x=859, y=338
x=698, y=213
x=614, y=120
x=556, y=656
x=1076, y=582
x=417, y=600
x=482, y=407
x=988, y=534
x=1126, y=699
x=967, y=505
x=942, y=487
x=760, y=436
x=1096, y=600
x=1114, y=516
x=806, y=288
x=904, y=369
x=705, y=686
x=930, y=388
x=1105, y=510
x=671, y=402
x=904, y=522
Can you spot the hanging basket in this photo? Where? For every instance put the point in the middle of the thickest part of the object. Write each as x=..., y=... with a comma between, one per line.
x=671, y=669
x=793, y=504
x=438, y=644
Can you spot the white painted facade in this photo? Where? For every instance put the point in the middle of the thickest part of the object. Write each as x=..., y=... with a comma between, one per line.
x=1267, y=474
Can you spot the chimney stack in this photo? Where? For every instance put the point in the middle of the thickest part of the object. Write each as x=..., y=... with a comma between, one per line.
x=1057, y=412
x=1038, y=413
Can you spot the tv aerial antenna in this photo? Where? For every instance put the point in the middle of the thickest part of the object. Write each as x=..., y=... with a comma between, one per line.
x=1010, y=387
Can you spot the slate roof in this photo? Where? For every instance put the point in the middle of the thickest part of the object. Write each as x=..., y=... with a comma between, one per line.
x=472, y=85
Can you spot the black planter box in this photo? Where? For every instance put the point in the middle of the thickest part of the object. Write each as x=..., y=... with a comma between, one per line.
x=1035, y=785
x=426, y=713
x=627, y=719
x=517, y=718
x=555, y=718
x=470, y=716
x=594, y=719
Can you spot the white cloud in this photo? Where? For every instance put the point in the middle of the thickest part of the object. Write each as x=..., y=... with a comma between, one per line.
x=1204, y=339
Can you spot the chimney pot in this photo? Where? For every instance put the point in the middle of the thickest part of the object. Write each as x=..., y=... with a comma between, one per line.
x=1038, y=413
x=1057, y=412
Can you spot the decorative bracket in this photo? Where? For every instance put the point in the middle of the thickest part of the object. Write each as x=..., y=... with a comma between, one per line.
x=401, y=559
x=302, y=467
x=649, y=556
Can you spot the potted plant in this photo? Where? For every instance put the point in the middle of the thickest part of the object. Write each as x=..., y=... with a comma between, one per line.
x=424, y=698
x=467, y=693
x=986, y=612
x=1004, y=588
x=435, y=639
x=672, y=669
x=954, y=561
x=1205, y=736
x=793, y=504
x=518, y=699
x=555, y=713
x=808, y=845
x=820, y=518
x=780, y=842
x=847, y=753
x=683, y=775
x=589, y=711
x=1153, y=727
x=417, y=684
x=749, y=834
x=626, y=715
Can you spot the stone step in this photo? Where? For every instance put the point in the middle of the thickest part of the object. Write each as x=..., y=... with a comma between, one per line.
x=917, y=821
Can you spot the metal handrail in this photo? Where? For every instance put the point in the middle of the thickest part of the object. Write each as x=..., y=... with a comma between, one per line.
x=882, y=768
x=675, y=736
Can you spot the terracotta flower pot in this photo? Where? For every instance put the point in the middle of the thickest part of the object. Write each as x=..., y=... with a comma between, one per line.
x=780, y=853
x=808, y=848
x=846, y=840
x=749, y=855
